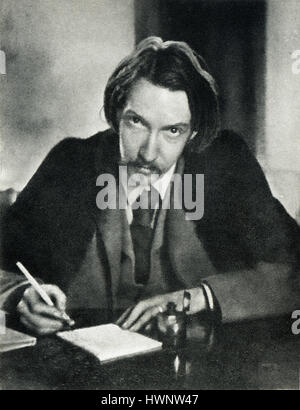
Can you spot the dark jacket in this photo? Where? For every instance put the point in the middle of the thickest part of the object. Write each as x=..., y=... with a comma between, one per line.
x=248, y=236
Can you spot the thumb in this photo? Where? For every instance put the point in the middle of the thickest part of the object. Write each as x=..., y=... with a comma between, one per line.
x=57, y=295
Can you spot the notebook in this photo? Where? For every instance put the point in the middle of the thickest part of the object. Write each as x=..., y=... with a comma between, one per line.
x=110, y=342
x=12, y=339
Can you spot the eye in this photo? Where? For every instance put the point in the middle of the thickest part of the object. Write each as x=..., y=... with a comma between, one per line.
x=135, y=120
x=174, y=130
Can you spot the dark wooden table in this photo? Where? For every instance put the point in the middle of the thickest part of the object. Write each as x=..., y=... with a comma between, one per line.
x=261, y=354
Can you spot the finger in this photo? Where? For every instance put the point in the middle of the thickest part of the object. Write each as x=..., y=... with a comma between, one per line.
x=136, y=312
x=145, y=318
x=124, y=315
x=48, y=311
x=27, y=324
x=38, y=321
x=32, y=328
x=60, y=301
x=21, y=308
x=31, y=297
x=37, y=306
x=57, y=295
x=53, y=291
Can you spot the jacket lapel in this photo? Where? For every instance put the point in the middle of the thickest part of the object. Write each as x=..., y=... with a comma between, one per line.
x=185, y=253
x=110, y=222
x=188, y=256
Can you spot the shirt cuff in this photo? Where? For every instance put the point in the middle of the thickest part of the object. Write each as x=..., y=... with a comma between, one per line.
x=212, y=304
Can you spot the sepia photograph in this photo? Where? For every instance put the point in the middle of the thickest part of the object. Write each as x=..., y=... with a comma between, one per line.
x=149, y=197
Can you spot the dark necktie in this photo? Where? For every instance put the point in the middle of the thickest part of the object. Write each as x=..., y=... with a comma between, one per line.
x=142, y=232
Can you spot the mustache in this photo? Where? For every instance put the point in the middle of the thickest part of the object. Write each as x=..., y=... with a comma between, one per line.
x=141, y=164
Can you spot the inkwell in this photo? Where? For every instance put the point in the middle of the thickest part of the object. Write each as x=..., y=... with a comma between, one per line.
x=172, y=323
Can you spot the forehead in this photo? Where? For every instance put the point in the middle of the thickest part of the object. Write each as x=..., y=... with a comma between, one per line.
x=158, y=104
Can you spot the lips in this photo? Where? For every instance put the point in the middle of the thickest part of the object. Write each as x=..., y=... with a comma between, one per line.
x=143, y=170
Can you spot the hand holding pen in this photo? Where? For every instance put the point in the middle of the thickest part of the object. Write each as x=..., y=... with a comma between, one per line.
x=42, y=307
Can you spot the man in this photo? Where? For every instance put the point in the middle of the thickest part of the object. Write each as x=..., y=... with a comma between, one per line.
x=238, y=258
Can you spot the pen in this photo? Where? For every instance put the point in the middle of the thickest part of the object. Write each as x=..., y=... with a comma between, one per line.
x=41, y=291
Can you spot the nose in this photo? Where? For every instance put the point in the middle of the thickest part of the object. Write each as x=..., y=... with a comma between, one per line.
x=149, y=149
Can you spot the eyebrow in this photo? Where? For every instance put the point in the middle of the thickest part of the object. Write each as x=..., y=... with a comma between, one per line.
x=178, y=124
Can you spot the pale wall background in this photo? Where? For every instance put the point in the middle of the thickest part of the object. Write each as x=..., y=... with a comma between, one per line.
x=60, y=54
x=281, y=154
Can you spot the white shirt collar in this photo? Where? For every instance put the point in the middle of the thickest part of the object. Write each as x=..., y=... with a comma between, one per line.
x=161, y=185
x=163, y=182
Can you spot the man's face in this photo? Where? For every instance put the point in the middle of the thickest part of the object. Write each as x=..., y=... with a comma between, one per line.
x=154, y=127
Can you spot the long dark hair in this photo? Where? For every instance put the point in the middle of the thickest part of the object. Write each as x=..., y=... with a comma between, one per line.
x=173, y=65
